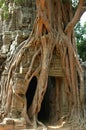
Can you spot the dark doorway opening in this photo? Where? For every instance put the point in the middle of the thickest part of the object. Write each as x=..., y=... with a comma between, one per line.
x=31, y=91
x=43, y=115
x=46, y=110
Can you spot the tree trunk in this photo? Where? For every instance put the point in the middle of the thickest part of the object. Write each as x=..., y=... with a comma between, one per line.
x=52, y=30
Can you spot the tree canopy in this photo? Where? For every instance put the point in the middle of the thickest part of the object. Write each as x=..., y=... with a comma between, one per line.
x=80, y=32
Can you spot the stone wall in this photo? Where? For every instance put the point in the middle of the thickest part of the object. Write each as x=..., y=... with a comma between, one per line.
x=14, y=30
x=19, y=23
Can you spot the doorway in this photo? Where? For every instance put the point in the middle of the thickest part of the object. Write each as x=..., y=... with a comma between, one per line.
x=31, y=91
x=48, y=102
x=48, y=106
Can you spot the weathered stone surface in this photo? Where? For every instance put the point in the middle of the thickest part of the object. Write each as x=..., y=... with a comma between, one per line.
x=16, y=18
x=13, y=123
x=20, y=26
x=7, y=38
x=14, y=32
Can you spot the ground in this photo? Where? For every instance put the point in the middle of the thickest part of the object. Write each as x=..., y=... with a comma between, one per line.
x=57, y=128
x=63, y=128
x=66, y=128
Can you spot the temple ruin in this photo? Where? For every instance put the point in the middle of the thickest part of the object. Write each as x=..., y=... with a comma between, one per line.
x=14, y=31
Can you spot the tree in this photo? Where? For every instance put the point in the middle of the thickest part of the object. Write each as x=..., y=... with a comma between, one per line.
x=80, y=32
x=52, y=31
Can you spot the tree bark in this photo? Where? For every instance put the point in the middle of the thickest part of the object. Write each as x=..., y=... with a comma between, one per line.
x=52, y=30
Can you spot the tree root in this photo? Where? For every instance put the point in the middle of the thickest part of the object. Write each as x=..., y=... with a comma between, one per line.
x=50, y=32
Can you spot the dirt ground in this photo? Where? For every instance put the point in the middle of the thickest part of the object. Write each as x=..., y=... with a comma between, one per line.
x=63, y=128
x=67, y=128
x=56, y=128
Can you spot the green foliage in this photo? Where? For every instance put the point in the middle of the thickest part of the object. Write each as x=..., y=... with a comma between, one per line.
x=2, y=2
x=18, y=2
x=80, y=32
x=4, y=8
x=82, y=50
